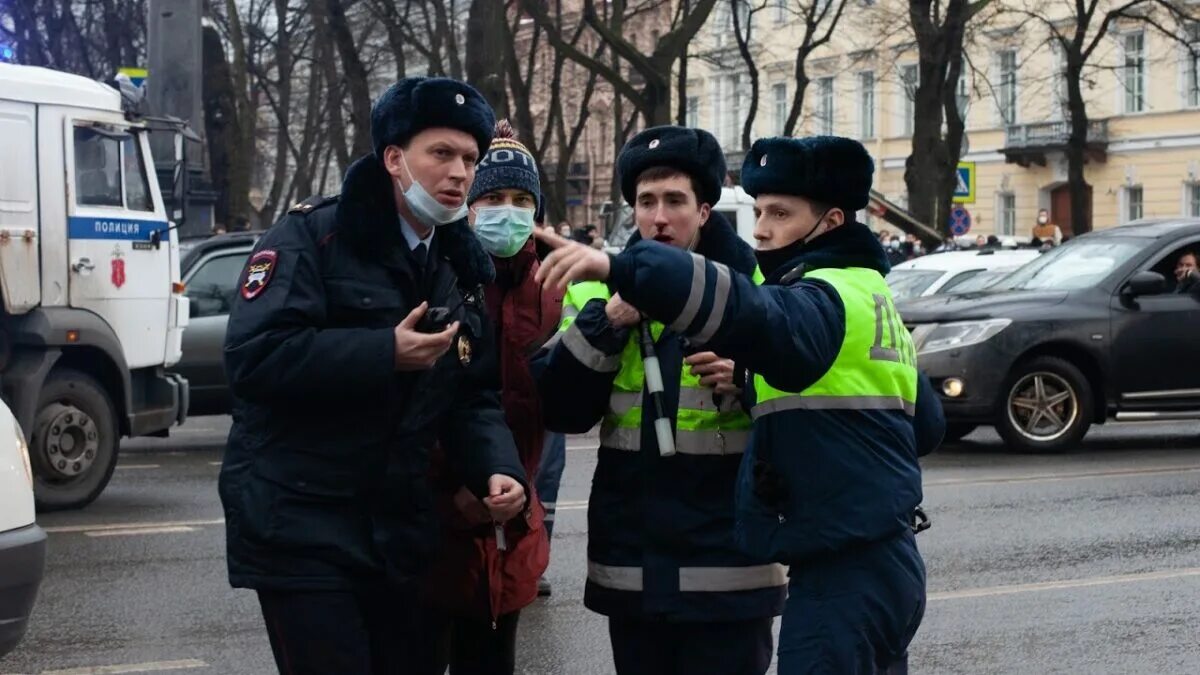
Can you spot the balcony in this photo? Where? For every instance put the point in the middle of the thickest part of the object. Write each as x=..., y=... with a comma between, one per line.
x=1027, y=144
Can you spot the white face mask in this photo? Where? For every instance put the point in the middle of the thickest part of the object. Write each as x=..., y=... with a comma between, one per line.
x=1043, y=219
x=424, y=206
x=503, y=230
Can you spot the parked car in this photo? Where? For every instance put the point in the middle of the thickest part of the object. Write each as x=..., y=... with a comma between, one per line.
x=22, y=542
x=942, y=272
x=210, y=270
x=1088, y=332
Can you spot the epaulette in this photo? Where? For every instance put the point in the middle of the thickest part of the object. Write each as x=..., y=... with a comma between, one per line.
x=311, y=203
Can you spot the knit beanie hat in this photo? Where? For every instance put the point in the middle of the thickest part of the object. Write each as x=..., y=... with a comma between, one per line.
x=508, y=164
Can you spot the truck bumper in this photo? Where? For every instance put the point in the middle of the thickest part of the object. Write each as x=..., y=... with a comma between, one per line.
x=22, y=563
x=166, y=402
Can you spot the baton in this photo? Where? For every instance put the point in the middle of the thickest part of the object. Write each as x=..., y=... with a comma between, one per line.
x=654, y=386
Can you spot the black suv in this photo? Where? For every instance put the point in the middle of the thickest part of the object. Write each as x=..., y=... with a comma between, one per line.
x=1090, y=331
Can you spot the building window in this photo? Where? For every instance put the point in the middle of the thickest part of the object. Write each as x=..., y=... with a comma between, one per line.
x=910, y=79
x=780, y=11
x=1058, y=83
x=1007, y=99
x=1133, y=72
x=1133, y=203
x=1191, y=74
x=825, y=106
x=1007, y=216
x=779, y=100
x=963, y=97
x=866, y=105
x=741, y=108
x=1193, y=200
x=693, y=111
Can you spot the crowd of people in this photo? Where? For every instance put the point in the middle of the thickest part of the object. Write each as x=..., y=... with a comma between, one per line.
x=404, y=361
x=1044, y=235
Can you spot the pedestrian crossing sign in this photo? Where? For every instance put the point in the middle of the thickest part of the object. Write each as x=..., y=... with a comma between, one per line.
x=964, y=191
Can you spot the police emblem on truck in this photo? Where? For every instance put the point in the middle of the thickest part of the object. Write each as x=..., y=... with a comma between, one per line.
x=258, y=273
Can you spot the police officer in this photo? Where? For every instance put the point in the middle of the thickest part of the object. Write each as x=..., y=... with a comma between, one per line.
x=341, y=389
x=662, y=561
x=831, y=480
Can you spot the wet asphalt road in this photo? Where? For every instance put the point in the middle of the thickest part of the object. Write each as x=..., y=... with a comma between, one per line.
x=1084, y=562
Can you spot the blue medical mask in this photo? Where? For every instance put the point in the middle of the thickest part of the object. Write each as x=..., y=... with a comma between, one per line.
x=503, y=230
x=424, y=206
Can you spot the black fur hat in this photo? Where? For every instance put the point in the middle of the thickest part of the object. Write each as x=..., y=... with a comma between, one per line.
x=692, y=151
x=828, y=169
x=414, y=104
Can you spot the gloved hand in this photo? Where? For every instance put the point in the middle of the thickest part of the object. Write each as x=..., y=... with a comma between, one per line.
x=769, y=486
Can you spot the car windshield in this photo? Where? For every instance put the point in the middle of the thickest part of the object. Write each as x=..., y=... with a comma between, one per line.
x=975, y=283
x=1081, y=264
x=907, y=284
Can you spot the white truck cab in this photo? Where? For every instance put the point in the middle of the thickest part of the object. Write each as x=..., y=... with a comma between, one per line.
x=738, y=209
x=93, y=310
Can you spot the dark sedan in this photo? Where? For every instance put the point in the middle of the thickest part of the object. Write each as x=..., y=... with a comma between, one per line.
x=1091, y=331
x=210, y=268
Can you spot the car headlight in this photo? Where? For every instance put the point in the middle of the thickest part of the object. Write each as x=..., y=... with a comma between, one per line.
x=23, y=450
x=942, y=336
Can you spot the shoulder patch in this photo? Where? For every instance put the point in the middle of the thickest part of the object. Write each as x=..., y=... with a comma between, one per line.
x=304, y=207
x=258, y=273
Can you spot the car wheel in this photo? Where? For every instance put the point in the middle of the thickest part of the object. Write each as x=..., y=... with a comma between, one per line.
x=74, y=441
x=1047, y=406
x=955, y=432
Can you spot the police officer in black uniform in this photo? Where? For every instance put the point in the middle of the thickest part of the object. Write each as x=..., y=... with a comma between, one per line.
x=357, y=341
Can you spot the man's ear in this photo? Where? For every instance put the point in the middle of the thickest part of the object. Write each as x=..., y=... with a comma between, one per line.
x=705, y=212
x=391, y=161
x=836, y=217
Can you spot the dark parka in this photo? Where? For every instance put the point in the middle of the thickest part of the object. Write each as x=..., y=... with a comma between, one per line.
x=325, y=479
x=660, y=514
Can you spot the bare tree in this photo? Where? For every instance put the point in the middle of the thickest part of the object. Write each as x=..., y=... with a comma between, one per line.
x=1078, y=37
x=642, y=78
x=930, y=173
x=820, y=19
x=487, y=31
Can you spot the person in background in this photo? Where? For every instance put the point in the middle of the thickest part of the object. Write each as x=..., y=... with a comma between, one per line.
x=483, y=574
x=1046, y=232
x=948, y=244
x=564, y=229
x=1187, y=274
x=980, y=241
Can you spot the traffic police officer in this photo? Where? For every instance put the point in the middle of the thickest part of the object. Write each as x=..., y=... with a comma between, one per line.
x=341, y=389
x=662, y=561
x=831, y=479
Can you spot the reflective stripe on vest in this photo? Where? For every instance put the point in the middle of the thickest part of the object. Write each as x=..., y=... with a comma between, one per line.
x=702, y=427
x=693, y=579
x=875, y=368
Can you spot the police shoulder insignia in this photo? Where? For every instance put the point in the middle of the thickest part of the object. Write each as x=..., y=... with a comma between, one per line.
x=258, y=273
x=464, y=350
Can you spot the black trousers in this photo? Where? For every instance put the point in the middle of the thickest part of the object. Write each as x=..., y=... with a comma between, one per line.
x=470, y=646
x=654, y=647
x=374, y=632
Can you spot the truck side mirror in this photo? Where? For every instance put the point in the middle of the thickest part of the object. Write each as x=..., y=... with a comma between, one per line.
x=1146, y=283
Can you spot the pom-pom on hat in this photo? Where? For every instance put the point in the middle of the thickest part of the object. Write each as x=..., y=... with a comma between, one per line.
x=828, y=169
x=693, y=151
x=507, y=164
x=415, y=104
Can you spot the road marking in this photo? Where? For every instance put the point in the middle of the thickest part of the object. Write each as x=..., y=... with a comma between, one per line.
x=1065, y=584
x=139, y=530
x=132, y=467
x=67, y=529
x=1048, y=478
x=153, y=666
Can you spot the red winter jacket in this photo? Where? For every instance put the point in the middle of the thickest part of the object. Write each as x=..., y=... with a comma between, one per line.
x=468, y=575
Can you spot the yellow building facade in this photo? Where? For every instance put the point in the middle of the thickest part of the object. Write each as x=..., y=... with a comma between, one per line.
x=1142, y=93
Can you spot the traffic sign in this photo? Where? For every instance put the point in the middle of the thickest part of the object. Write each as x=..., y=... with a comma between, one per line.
x=964, y=190
x=960, y=221
x=136, y=75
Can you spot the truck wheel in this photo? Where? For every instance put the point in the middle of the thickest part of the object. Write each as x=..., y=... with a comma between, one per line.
x=74, y=441
x=956, y=431
x=1047, y=406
